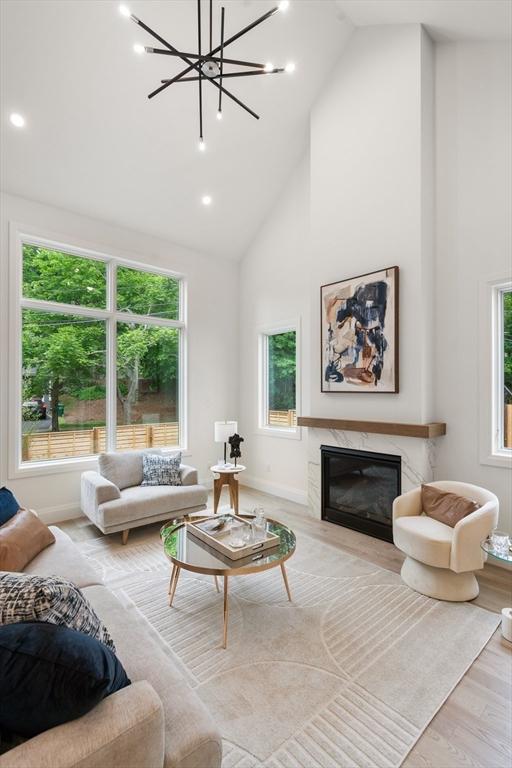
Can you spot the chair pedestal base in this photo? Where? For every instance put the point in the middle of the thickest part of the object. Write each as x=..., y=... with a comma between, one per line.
x=440, y=583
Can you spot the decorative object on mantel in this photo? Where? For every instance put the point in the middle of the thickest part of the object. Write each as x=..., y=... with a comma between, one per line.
x=234, y=442
x=207, y=66
x=426, y=431
x=223, y=430
x=359, y=333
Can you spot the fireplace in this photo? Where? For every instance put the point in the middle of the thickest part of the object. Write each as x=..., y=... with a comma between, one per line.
x=358, y=488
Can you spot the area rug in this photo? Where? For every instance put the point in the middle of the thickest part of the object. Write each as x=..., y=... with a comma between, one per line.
x=347, y=676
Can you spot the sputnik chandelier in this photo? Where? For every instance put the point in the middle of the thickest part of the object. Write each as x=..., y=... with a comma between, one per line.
x=209, y=66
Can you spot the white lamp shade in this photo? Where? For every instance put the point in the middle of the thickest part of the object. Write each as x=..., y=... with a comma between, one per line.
x=224, y=430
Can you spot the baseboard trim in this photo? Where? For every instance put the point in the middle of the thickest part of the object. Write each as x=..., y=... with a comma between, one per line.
x=59, y=513
x=275, y=489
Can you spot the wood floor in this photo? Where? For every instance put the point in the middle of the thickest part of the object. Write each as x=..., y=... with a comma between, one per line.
x=474, y=725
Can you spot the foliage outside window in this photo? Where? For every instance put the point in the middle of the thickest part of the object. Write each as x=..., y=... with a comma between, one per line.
x=280, y=379
x=506, y=353
x=77, y=400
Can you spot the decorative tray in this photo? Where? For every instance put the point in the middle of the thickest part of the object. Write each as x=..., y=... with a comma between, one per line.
x=217, y=532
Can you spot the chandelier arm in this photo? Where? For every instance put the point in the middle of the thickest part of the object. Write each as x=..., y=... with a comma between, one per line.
x=276, y=71
x=200, y=71
x=222, y=12
x=230, y=40
x=218, y=59
x=191, y=67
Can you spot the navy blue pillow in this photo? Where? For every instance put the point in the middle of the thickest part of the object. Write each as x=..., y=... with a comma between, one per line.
x=51, y=674
x=8, y=505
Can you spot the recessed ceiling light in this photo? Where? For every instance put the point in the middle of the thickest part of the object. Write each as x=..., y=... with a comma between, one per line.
x=17, y=120
x=138, y=48
x=206, y=200
x=290, y=67
x=124, y=11
x=269, y=66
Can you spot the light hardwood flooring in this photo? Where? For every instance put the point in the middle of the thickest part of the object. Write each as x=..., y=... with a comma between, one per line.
x=474, y=725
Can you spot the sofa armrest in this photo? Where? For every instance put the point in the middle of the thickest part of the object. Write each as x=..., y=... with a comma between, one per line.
x=95, y=490
x=468, y=534
x=188, y=475
x=408, y=504
x=126, y=729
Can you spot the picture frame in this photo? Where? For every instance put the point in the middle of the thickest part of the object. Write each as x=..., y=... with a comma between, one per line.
x=359, y=334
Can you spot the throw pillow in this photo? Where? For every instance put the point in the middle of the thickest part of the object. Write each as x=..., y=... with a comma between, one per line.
x=161, y=470
x=50, y=675
x=22, y=538
x=8, y=505
x=447, y=508
x=24, y=597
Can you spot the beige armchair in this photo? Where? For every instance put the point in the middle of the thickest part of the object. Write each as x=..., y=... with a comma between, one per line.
x=115, y=500
x=440, y=559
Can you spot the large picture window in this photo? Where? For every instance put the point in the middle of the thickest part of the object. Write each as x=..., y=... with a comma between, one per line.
x=102, y=347
x=278, y=380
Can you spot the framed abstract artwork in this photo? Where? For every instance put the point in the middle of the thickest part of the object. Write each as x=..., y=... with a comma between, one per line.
x=359, y=333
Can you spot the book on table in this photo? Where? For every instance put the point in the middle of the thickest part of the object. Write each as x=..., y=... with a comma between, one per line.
x=224, y=533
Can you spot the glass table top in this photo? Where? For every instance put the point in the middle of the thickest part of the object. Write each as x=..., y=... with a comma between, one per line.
x=489, y=547
x=186, y=550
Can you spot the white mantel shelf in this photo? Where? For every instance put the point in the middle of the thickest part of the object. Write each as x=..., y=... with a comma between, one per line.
x=425, y=431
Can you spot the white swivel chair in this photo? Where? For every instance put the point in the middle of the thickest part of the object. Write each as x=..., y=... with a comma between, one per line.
x=440, y=559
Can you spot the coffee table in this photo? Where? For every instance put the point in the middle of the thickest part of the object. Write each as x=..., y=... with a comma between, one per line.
x=187, y=552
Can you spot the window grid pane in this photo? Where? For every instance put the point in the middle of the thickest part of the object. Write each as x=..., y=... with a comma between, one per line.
x=147, y=386
x=147, y=293
x=52, y=275
x=281, y=380
x=63, y=412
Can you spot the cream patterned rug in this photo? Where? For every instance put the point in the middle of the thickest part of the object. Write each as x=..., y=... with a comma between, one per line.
x=349, y=675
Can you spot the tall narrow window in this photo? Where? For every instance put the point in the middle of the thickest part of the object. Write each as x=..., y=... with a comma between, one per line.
x=505, y=364
x=278, y=369
x=101, y=356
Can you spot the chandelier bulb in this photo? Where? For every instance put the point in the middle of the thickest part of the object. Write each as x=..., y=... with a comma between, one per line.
x=219, y=115
x=290, y=67
x=269, y=66
x=138, y=48
x=124, y=11
x=202, y=145
x=284, y=5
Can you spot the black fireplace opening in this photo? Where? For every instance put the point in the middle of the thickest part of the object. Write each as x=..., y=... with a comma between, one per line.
x=358, y=489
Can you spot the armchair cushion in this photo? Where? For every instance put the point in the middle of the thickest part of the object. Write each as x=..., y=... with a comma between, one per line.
x=424, y=539
x=147, y=501
x=446, y=507
x=123, y=469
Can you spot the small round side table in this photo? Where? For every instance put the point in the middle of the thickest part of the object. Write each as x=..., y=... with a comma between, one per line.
x=227, y=476
x=505, y=557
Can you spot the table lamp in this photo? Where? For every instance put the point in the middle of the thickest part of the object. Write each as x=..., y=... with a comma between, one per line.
x=223, y=431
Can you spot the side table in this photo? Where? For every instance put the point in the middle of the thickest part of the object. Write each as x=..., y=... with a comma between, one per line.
x=227, y=476
x=505, y=557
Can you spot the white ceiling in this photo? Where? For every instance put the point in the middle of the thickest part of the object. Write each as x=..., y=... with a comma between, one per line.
x=95, y=144
x=445, y=19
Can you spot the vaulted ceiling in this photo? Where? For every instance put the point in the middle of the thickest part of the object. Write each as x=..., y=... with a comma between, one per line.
x=93, y=143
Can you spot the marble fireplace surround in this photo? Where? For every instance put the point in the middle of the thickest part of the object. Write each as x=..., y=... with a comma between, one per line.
x=418, y=457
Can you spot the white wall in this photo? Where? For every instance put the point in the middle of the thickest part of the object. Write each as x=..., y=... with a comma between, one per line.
x=212, y=338
x=473, y=243
x=274, y=289
x=410, y=163
x=371, y=136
